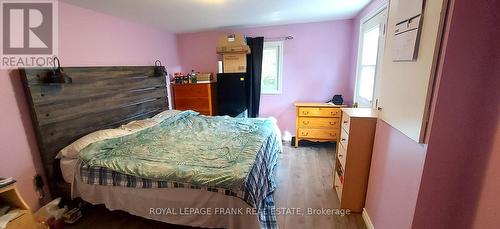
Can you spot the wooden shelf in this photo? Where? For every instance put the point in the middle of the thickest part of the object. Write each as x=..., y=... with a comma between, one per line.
x=354, y=157
x=200, y=97
x=10, y=196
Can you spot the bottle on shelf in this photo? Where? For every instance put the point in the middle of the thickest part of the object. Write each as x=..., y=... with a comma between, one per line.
x=192, y=77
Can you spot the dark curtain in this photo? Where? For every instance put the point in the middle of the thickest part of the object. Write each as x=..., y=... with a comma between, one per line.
x=254, y=71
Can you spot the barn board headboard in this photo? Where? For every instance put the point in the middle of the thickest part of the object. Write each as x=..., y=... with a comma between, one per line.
x=98, y=98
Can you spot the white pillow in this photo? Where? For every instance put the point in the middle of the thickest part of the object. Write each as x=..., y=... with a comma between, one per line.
x=165, y=114
x=72, y=150
x=139, y=125
x=149, y=122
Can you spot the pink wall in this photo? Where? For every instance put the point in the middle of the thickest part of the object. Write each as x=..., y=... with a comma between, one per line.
x=461, y=172
x=18, y=151
x=397, y=161
x=89, y=38
x=486, y=199
x=86, y=38
x=456, y=187
x=316, y=63
x=452, y=182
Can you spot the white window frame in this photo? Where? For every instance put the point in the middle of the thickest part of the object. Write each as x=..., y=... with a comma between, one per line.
x=278, y=44
x=379, y=58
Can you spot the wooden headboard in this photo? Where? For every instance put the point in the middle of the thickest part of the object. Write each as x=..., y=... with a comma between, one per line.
x=98, y=98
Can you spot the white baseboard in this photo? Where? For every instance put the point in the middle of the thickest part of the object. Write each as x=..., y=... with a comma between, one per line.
x=366, y=218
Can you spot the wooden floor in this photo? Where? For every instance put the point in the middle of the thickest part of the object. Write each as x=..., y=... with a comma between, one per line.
x=304, y=178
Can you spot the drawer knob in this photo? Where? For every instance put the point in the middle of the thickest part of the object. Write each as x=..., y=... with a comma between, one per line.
x=340, y=155
x=333, y=113
x=305, y=122
x=333, y=123
x=305, y=112
x=345, y=121
x=305, y=134
x=343, y=139
x=332, y=134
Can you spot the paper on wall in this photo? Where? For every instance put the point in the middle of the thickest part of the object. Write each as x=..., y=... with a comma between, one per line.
x=408, y=9
x=407, y=30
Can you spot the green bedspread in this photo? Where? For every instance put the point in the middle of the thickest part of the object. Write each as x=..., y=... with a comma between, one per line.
x=204, y=151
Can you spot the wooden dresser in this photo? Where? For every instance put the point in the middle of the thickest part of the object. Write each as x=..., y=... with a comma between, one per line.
x=354, y=153
x=317, y=122
x=200, y=97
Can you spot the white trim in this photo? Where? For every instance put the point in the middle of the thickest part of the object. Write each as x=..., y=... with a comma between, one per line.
x=169, y=93
x=280, y=66
x=366, y=218
x=373, y=13
x=382, y=7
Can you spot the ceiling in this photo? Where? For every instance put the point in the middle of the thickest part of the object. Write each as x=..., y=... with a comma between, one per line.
x=181, y=16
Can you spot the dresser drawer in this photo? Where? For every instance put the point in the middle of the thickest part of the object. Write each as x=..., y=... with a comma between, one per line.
x=338, y=185
x=346, y=121
x=342, y=154
x=319, y=112
x=191, y=90
x=344, y=139
x=198, y=97
x=318, y=133
x=319, y=122
x=196, y=104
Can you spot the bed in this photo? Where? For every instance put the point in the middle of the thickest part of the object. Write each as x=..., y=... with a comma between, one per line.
x=176, y=167
x=224, y=163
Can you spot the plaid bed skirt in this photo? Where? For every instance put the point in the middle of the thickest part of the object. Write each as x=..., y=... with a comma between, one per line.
x=257, y=192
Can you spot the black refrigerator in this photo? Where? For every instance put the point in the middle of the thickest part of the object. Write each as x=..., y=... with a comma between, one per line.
x=232, y=94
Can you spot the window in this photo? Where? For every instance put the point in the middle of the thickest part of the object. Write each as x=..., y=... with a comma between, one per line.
x=368, y=64
x=272, y=61
x=371, y=48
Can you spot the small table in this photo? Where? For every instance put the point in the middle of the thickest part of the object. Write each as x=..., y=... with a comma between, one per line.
x=10, y=196
x=318, y=122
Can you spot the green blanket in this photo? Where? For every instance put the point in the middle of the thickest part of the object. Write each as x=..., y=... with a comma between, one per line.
x=188, y=148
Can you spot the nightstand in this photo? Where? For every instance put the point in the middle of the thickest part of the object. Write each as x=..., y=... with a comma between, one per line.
x=200, y=97
x=10, y=195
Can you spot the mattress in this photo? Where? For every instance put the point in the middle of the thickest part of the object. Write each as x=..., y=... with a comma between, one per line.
x=168, y=205
x=187, y=147
x=101, y=184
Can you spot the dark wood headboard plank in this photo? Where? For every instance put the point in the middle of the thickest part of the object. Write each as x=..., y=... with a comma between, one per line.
x=79, y=125
x=98, y=98
x=55, y=92
x=53, y=107
x=58, y=112
x=83, y=74
x=96, y=95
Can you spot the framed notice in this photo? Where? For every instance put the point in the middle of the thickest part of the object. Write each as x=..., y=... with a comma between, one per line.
x=407, y=30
